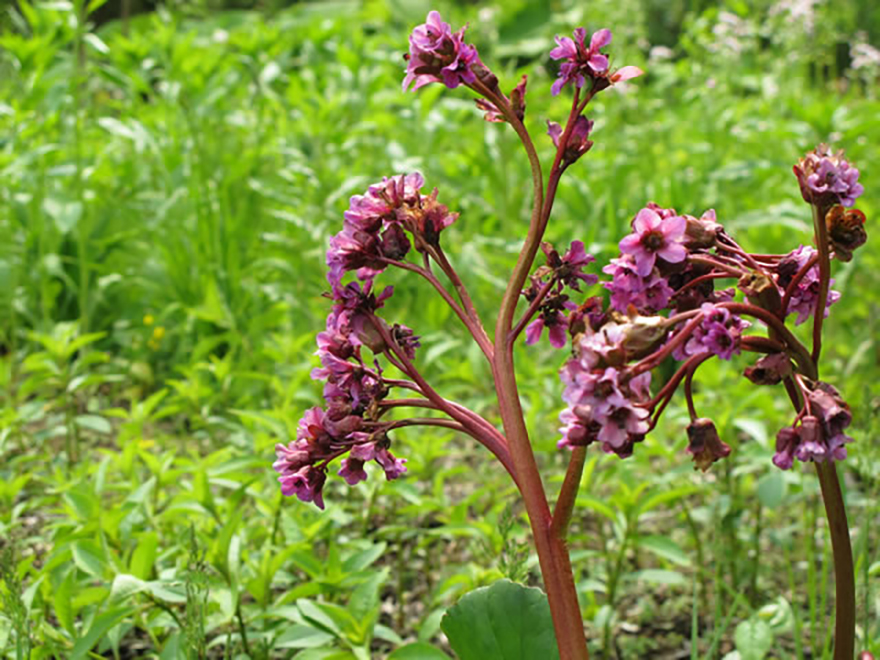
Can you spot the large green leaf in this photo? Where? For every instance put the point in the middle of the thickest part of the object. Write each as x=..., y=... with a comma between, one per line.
x=418, y=651
x=505, y=621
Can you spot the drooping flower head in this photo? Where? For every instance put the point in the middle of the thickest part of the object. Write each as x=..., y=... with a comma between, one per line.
x=827, y=178
x=817, y=436
x=437, y=54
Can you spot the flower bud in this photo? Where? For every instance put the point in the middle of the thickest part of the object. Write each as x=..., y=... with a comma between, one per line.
x=578, y=140
x=769, y=370
x=369, y=336
x=701, y=232
x=640, y=336
x=704, y=444
x=761, y=291
x=846, y=231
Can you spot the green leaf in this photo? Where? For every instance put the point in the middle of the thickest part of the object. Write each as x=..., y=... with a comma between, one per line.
x=141, y=564
x=753, y=639
x=657, y=576
x=94, y=423
x=89, y=558
x=302, y=637
x=418, y=651
x=505, y=621
x=665, y=547
x=63, y=601
x=125, y=586
x=99, y=628
x=771, y=489
x=65, y=214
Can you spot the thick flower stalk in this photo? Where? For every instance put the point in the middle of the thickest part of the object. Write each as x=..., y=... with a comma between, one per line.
x=681, y=289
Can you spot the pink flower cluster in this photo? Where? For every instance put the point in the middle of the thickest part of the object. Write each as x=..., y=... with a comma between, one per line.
x=603, y=400
x=657, y=238
x=437, y=54
x=373, y=231
x=818, y=433
x=718, y=333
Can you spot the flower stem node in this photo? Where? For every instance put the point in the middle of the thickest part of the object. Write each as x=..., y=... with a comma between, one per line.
x=769, y=370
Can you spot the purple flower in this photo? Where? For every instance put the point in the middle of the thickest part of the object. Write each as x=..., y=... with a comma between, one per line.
x=436, y=54
x=827, y=178
x=352, y=470
x=394, y=467
x=557, y=325
x=580, y=59
x=646, y=294
x=362, y=246
x=652, y=237
x=805, y=295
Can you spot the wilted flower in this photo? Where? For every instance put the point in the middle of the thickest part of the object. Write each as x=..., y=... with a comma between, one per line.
x=436, y=54
x=770, y=369
x=517, y=104
x=704, y=444
x=846, y=231
x=700, y=233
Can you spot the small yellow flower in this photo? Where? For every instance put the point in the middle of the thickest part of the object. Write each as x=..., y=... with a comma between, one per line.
x=158, y=333
x=153, y=344
x=149, y=320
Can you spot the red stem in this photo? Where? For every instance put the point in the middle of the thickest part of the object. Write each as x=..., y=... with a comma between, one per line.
x=789, y=290
x=534, y=305
x=473, y=326
x=552, y=552
x=821, y=233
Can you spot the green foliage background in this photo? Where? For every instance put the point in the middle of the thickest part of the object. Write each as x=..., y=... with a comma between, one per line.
x=169, y=184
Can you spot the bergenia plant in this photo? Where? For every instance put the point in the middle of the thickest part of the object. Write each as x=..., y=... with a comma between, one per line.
x=682, y=289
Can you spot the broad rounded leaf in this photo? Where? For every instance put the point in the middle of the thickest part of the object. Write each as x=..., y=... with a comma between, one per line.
x=505, y=621
x=418, y=651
